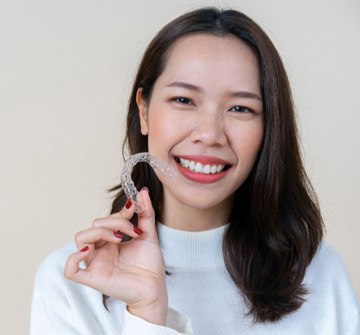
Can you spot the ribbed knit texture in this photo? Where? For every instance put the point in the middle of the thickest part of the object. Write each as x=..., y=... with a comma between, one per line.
x=202, y=298
x=191, y=250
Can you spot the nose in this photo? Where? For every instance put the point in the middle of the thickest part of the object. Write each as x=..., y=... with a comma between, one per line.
x=209, y=129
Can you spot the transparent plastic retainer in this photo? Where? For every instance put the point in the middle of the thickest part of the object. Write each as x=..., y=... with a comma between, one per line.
x=127, y=183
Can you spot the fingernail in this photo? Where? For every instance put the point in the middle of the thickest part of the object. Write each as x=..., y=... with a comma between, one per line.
x=118, y=235
x=137, y=230
x=128, y=204
x=144, y=188
x=85, y=249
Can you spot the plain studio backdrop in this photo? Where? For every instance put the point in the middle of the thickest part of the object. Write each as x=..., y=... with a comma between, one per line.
x=66, y=69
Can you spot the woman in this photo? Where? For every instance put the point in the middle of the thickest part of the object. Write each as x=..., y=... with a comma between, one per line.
x=233, y=245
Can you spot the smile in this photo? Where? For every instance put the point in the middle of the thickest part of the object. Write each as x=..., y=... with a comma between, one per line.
x=201, y=168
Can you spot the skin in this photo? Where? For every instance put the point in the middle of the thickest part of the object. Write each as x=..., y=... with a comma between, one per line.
x=205, y=117
x=204, y=123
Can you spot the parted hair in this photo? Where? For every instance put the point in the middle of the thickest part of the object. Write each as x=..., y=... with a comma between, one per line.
x=275, y=225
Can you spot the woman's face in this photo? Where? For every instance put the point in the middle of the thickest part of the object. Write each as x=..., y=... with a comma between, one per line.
x=205, y=119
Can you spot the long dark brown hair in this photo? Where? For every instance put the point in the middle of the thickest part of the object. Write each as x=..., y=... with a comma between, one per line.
x=276, y=226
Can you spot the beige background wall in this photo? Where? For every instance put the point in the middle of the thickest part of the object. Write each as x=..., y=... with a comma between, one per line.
x=65, y=72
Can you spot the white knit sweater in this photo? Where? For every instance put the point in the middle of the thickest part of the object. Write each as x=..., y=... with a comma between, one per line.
x=202, y=297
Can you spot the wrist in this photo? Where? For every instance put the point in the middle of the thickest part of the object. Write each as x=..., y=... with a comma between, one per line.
x=155, y=313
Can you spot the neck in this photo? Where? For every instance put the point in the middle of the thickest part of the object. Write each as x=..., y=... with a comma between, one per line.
x=182, y=217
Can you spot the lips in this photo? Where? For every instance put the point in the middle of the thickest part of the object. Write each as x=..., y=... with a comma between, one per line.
x=202, y=169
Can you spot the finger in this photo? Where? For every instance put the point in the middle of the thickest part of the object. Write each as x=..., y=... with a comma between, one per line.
x=113, y=233
x=127, y=212
x=72, y=267
x=147, y=215
x=114, y=223
x=73, y=270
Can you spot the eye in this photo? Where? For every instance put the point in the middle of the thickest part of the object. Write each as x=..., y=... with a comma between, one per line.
x=183, y=100
x=240, y=109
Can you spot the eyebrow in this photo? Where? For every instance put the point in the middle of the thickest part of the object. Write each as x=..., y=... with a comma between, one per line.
x=237, y=94
x=184, y=85
x=245, y=94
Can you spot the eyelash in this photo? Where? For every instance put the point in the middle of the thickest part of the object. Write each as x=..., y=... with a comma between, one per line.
x=243, y=109
x=187, y=101
x=183, y=100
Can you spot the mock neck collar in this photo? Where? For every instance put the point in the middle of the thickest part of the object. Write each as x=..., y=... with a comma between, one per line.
x=191, y=250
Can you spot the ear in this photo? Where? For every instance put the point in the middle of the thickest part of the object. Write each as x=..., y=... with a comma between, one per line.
x=143, y=109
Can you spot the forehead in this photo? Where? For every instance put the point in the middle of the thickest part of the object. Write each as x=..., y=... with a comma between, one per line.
x=204, y=57
x=194, y=41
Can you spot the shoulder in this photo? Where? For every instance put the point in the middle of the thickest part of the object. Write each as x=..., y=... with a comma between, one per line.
x=49, y=279
x=52, y=288
x=54, y=263
x=327, y=264
x=327, y=270
x=62, y=306
x=331, y=292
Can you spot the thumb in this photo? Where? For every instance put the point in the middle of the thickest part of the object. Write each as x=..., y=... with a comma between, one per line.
x=146, y=217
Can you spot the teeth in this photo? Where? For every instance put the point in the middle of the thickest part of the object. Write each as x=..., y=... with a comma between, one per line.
x=207, y=169
x=200, y=168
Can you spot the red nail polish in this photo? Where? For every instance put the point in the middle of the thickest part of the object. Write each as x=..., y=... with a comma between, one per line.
x=137, y=230
x=85, y=249
x=128, y=204
x=118, y=235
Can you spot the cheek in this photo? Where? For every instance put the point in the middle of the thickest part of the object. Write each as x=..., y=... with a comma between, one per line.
x=247, y=142
x=162, y=130
x=166, y=125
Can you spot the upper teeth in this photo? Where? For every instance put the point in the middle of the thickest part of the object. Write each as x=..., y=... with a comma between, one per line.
x=201, y=168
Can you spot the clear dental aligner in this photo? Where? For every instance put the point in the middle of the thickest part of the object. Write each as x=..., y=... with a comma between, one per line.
x=128, y=185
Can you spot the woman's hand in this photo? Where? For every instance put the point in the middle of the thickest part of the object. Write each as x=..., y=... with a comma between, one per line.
x=133, y=271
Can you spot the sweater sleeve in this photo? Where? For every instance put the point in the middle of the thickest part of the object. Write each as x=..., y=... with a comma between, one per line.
x=61, y=306
x=176, y=324
x=51, y=312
